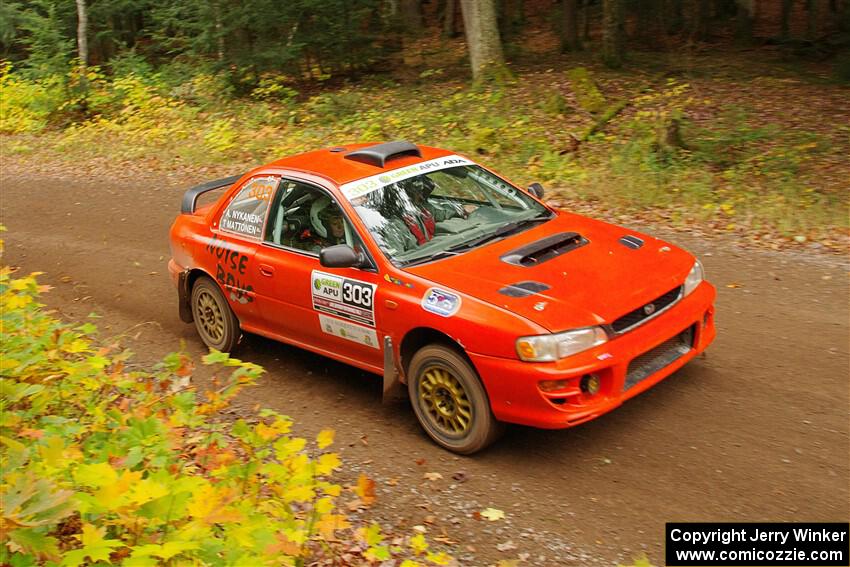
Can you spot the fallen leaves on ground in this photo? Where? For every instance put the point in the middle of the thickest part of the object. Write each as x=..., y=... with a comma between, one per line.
x=492, y=514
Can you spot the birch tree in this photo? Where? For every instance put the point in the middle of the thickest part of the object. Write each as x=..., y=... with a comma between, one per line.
x=483, y=41
x=82, y=31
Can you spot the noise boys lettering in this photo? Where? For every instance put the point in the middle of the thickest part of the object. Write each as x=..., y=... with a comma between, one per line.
x=230, y=269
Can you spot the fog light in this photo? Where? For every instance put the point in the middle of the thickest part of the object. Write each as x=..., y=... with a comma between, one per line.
x=552, y=385
x=590, y=384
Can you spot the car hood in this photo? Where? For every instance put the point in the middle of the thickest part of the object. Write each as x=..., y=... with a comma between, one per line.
x=589, y=283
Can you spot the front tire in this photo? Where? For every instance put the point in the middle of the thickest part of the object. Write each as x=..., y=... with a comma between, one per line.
x=214, y=320
x=449, y=400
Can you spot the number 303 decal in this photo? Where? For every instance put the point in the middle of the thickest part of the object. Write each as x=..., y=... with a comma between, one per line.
x=355, y=293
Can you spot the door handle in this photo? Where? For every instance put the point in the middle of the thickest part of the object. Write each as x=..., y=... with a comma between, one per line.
x=266, y=270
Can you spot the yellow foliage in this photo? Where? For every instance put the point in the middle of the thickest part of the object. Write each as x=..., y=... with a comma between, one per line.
x=325, y=438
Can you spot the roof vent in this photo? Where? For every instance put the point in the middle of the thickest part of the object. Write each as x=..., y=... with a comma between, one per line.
x=380, y=154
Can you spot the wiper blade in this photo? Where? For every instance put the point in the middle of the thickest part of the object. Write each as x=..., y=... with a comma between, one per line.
x=500, y=232
x=430, y=258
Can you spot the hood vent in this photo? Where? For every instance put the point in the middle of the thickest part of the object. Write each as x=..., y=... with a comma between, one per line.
x=545, y=249
x=630, y=241
x=523, y=289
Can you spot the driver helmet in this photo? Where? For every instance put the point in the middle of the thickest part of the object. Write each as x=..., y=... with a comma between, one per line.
x=420, y=186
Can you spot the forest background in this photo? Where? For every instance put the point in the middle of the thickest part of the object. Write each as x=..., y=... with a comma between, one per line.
x=732, y=114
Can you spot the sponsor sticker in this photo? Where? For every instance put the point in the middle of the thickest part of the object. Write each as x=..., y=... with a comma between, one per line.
x=349, y=331
x=343, y=297
x=397, y=281
x=367, y=185
x=441, y=302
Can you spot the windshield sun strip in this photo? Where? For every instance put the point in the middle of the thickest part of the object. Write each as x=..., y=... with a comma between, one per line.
x=367, y=185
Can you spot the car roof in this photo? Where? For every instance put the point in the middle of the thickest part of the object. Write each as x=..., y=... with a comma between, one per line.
x=332, y=162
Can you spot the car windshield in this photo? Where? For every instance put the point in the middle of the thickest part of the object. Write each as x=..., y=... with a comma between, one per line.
x=445, y=212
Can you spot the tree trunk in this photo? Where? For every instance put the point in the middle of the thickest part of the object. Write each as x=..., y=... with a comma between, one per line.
x=585, y=20
x=700, y=21
x=411, y=16
x=844, y=17
x=744, y=19
x=613, y=33
x=482, y=39
x=569, y=26
x=785, y=22
x=510, y=17
x=651, y=23
x=449, y=19
x=391, y=24
x=219, y=32
x=674, y=17
x=812, y=20
x=82, y=30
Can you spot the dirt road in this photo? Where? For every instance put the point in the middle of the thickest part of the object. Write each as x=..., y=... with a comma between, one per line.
x=756, y=430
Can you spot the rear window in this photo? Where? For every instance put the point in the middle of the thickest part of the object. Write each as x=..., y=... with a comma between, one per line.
x=246, y=213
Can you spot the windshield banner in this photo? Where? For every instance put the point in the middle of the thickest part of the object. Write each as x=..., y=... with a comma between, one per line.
x=373, y=183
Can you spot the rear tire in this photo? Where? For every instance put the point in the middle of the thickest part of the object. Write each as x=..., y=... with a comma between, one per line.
x=215, y=321
x=450, y=402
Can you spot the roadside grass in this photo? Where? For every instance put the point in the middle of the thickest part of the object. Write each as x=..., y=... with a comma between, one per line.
x=735, y=161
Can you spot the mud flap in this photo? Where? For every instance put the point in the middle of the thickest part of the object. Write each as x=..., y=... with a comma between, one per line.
x=393, y=388
x=183, y=306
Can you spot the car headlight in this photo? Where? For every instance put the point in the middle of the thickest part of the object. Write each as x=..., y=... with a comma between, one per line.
x=694, y=278
x=546, y=348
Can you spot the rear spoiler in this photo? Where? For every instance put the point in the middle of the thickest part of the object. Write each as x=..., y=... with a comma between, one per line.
x=190, y=197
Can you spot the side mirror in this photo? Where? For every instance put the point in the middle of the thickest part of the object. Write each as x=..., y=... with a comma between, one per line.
x=340, y=256
x=536, y=189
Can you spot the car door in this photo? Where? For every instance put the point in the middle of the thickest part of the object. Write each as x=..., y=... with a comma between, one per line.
x=229, y=254
x=330, y=310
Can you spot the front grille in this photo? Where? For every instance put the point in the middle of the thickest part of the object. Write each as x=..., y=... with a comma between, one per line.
x=633, y=318
x=661, y=356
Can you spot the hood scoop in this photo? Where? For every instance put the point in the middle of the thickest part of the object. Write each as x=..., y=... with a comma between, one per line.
x=545, y=249
x=523, y=289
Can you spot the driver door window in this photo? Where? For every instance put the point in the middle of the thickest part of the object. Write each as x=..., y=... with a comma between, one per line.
x=305, y=218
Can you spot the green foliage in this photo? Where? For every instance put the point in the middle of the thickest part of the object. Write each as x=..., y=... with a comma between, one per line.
x=261, y=36
x=46, y=33
x=274, y=88
x=104, y=464
x=26, y=105
x=555, y=104
x=587, y=94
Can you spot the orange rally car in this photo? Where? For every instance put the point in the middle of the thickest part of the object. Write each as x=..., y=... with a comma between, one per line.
x=424, y=267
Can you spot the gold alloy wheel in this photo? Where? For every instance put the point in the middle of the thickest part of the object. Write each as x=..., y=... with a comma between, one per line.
x=210, y=317
x=443, y=398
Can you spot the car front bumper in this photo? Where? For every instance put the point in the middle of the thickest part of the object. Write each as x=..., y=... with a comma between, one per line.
x=626, y=365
